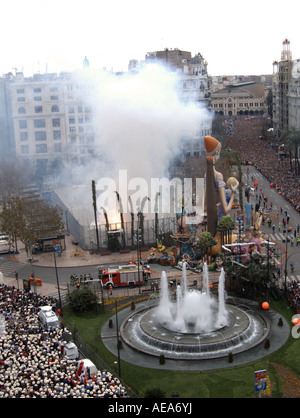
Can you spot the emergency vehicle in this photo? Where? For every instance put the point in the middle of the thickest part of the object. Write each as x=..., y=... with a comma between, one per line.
x=5, y=245
x=127, y=275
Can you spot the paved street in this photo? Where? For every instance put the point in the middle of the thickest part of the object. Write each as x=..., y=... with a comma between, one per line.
x=278, y=202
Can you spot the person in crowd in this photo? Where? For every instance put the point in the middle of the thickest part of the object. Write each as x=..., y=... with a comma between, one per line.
x=32, y=363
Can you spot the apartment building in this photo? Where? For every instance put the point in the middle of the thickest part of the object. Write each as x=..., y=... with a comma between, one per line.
x=194, y=85
x=286, y=91
x=52, y=118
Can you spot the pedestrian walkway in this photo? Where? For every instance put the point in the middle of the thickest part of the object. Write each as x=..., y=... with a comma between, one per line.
x=8, y=267
x=293, y=278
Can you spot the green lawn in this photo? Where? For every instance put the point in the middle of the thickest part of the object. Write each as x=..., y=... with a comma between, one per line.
x=236, y=382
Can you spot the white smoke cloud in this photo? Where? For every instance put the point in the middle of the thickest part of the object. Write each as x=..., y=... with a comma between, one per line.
x=139, y=122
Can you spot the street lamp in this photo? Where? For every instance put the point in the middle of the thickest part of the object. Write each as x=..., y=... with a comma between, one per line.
x=56, y=248
x=118, y=343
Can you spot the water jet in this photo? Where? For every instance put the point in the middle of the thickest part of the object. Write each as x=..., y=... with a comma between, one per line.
x=194, y=324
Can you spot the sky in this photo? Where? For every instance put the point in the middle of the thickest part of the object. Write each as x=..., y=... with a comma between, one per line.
x=234, y=37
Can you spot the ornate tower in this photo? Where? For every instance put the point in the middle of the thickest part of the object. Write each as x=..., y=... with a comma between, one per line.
x=286, y=54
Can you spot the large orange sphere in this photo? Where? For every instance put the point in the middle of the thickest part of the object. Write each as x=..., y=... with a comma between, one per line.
x=296, y=321
x=265, y=305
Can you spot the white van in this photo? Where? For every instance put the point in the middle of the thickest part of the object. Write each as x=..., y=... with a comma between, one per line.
x=71, y=351
x=48, y=318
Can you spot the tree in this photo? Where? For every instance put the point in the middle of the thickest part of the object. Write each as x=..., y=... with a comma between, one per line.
x=31, y=220
x=204, y=244
x=13, y=176
x=82, y=300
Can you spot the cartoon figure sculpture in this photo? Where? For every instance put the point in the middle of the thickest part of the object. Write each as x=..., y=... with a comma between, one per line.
x=215, y=203
x=248, y=206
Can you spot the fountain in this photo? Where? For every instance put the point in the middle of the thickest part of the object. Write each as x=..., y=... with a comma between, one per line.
x=194, y=324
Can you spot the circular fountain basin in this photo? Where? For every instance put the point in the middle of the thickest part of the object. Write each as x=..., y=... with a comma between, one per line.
x=244, y=329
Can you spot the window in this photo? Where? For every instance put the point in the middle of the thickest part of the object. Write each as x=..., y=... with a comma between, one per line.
x=71, y=109
x=39, y=123
x=57, y=148
x=37, y=90
x=40, y=135
x=72, y=120
x=38, y=109
x=56, y=135
x=23, y=136
x=37, y=98
x=80, y=120
x=54, y=97
x=54, y=89
x=90, y=139
x=24, y=149
x=54, y=108
x=79, y=109
x=20, y=91
x=21, y=110
x=21, y=99
x=23, y=124
x=41, y=148
x=72, y=129
x=56, y=123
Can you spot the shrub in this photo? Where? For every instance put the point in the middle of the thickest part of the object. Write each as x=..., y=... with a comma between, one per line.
x=155, y=393
x=82, y=300
x=230, y=357
x=280, y=322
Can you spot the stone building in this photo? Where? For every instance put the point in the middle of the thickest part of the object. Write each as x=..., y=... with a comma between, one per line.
x=247, y=98
x=286, y=92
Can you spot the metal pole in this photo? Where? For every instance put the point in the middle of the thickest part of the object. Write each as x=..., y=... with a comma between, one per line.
x=59, y=298
x=285, y=269
x=118, y=345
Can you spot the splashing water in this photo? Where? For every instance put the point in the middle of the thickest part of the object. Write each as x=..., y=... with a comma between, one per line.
x=193, y=311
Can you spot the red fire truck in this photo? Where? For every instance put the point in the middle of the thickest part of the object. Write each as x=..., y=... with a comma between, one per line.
x=127, y=275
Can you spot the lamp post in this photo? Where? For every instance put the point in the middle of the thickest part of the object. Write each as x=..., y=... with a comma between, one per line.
x=286, y=257
x=56, y=248
x=138, y=239
x=118, y=344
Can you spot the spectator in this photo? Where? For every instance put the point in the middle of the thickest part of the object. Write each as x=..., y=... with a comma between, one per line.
x=32, y=364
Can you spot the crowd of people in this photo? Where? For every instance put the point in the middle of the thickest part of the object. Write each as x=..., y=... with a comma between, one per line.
x=32, y=359
x=293, y=292
x=246, y=139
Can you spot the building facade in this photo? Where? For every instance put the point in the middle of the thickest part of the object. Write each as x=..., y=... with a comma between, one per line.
x=286, y=92
x=194, y=86
x=51, y=118
x=240, y=99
